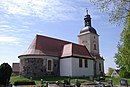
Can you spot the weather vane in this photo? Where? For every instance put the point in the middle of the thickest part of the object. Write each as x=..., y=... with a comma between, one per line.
x=87, y=11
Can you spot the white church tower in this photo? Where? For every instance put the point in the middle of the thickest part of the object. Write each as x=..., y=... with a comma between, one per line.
x=88, y=36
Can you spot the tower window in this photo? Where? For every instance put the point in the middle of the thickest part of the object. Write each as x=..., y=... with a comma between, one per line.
x=94, y=37
x=80, y=63
x=49, y=65
x=99, y=66
x=95, y=48
x=86, y=63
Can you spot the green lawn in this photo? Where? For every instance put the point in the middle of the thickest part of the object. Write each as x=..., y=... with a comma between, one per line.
x=17, y=78
x=116, y=81
x=50, y=79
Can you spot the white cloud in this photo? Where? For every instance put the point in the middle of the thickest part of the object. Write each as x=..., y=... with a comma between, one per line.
x=21, y=16
x=4, y=26
x=45, y=9
x=9, y=39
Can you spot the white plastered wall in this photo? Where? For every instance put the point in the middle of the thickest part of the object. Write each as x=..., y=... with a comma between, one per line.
x=97, y=66
x=70, y=67
x=66, y=67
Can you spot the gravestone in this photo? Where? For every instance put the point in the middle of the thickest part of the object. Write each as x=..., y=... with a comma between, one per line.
x=123, y=82
x=110, y=83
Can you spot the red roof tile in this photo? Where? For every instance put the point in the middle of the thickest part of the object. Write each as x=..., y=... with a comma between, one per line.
x=80, y=50
x=43, y=45
x=73, y=49
x=98, y=57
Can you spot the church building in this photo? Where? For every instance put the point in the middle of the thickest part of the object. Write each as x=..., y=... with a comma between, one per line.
x=47, y=56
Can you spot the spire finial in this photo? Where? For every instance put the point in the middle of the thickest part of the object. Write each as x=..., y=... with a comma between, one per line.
x=87, y=11
x=87, y=19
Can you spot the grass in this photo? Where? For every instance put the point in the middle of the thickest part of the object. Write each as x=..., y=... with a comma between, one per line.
x=116, y=81
x=61, y=79
x=18, y=78
x=49, y=79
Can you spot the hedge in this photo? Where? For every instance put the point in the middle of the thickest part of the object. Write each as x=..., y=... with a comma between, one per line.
x=24, y=83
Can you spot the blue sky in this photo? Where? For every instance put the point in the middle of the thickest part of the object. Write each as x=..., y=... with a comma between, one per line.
x=21, y=20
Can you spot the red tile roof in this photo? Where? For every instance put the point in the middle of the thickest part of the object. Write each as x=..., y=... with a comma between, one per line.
x=43, y=45
x=76, y=50
x=97, y=57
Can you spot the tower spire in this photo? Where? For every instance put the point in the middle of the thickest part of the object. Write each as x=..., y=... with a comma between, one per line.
x=87, y=11
x=87, y=19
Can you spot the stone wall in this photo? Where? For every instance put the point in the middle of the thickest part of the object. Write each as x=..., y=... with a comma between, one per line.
x=37, y=67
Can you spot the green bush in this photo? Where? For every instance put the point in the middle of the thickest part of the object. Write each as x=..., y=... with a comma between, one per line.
x=24, y=83
x=5, y=73
x=123, y=73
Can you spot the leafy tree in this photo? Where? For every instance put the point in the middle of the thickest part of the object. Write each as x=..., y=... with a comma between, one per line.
x=122, y=58
x=117, y=9
x=110, y=70
x=5, y=73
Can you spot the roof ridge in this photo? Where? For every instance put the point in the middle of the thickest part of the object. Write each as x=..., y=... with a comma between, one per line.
x=54, y=38
x=69, y=42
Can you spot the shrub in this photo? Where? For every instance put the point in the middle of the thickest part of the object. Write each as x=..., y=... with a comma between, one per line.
x=24, y=83
x=123, y=73
x=5, y=73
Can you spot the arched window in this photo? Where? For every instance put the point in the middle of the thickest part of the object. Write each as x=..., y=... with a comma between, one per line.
x=95, y=47
x=49, y=65
x=94, y=37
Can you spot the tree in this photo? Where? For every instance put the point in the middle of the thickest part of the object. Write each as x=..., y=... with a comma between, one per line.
x=117, y=9
x=5, y=73
x=110, y=70
x=122, y=58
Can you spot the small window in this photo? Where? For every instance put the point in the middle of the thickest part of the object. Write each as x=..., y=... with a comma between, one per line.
x=99, y=66
x=95, y=48
x=80, y=62
x=49, y=65
x=94, y=37
x=86, y=63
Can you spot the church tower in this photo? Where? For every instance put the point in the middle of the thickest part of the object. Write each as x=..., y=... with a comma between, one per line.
x=89, y=37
